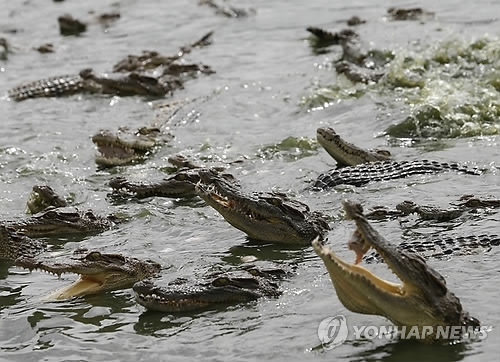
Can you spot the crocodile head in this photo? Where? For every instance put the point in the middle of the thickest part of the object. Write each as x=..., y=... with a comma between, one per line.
x=421, y=299
x=262, y=216
x=124, y=146
x=68, y=220
x=219, y=289
x=97, y=272
x=42, y=197
x=345, y=153
x=14, y=244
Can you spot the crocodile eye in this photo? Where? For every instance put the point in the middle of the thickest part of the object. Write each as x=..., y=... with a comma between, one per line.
x=253, y=271
x=472, y=203
x=180, y=177
x=93, y=256
x=220, y=282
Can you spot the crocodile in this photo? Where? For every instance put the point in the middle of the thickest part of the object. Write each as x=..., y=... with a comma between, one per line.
x=68, y=25
x=97, y=271
x=422, y=300
x=151, y=59
x=215, y=290
x=61, y=221
x=180, y=184
x=356, y=63
x=271, y=216
x=45, y=48
x=362, y=174
x=430, y=212
x=126, y=146
x=227, y=11
x=442, y=246
x=89, y=82
x=14, y=244
x=425, y=212
x=130, y=84
x=43, y=197
x=400, y=14
x=135, y=82
x=364, y=166
x=345, y=153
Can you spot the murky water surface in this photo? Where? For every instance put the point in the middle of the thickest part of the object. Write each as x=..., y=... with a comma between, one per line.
x=255, y=111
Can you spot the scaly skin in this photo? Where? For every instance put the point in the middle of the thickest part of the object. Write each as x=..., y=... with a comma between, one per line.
x=425, y=212
x=429, y=212
x=64, y=85
x=362, y=174
x=345, y=153
x=269, y=217
x=443, y=247
x=180, y=184
x=14, y=244
x=87, y=81
x=62, y=221
x=98, y=271
x=224, y=288
x=422, y=298
x=129, y=85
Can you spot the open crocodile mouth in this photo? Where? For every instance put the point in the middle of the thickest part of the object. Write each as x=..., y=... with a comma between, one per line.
x=225, y=205
x=116, y=150
x=91, y=279
x=231, y=204
x=85, y=284
x=356, y=286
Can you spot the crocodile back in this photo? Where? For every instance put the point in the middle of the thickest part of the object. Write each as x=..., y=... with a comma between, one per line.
x=49, y=87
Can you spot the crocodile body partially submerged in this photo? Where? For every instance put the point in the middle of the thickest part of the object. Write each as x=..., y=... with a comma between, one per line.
x=180, y=184
x=14, y=244
x=467, y=202
x=372, y=165
x=60, y=221
x=356, y=63
x=135, y=82
x=442, y=246
x=422, y=300
x=89, y=82
x=425, y=212
x=227, y=11
x=386, y=170
x=97, y=271
x=215, y=290
x=272, y=217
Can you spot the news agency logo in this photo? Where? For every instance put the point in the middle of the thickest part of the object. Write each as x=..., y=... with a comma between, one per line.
x=333, y=331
